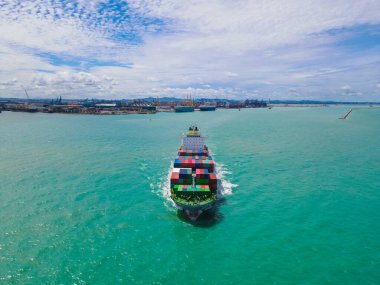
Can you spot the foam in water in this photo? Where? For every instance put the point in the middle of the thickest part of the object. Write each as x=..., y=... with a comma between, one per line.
x=226, y=184
x=162, y=188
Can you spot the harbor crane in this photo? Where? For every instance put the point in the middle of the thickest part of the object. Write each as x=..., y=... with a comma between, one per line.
x=28, y=106
x=26, y=93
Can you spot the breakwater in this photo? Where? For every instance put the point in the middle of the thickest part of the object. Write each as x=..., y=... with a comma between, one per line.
x=345, y=115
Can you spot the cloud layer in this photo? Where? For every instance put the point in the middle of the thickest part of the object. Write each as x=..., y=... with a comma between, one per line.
x=239, y=49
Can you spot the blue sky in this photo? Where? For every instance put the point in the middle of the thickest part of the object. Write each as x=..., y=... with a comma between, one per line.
x=217, y=49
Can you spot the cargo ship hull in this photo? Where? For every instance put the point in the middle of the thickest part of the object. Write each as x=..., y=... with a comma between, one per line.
x=207, y=108
x=182, y=109
x=193, y=183
x=196, y=211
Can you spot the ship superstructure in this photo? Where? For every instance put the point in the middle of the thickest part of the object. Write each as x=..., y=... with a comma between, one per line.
x=207, y=107
x=193, y=182
x=185, y=106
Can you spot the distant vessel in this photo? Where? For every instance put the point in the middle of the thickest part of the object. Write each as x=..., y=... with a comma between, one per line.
x=31, y=108
x=193, y=183
x=185, y=106
x=207, y=107
x=180, y=109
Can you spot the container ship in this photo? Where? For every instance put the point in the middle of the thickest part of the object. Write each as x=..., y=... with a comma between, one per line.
x=207, y=107
x=181, y=109
x=193, y=182
x=185, y=106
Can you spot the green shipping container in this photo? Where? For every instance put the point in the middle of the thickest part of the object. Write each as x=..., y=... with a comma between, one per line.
x=202, y=181
x=202, y=189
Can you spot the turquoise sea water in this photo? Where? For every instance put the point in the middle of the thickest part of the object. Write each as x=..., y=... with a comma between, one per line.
x=82, y=199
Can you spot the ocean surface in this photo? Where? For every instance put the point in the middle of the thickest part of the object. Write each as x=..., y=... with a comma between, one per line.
x=83, y=199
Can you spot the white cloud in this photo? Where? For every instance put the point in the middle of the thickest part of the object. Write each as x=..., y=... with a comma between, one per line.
x=234, y=46
x=9, y=82
x=346, y=88
x=77, y=82
x=349, y=91
x=152, y=78
x=230, y=74
x=38, y=25
x=243, y=25
x=315, y=73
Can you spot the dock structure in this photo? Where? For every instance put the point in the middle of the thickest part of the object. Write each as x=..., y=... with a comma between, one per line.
x=345, y=116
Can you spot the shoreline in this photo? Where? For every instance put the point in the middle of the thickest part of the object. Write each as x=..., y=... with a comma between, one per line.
x=80, y=110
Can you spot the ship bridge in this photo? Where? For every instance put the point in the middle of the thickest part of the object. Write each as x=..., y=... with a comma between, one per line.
x=193, y=140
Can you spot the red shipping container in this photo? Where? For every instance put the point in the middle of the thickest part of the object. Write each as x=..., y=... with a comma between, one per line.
x=175, y=175
x=212, y=176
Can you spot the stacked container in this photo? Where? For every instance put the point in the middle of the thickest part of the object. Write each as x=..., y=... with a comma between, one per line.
x=201, y=173
x=187, y=162
x=181, y=176
x=189, y=152
x=213, y=182
x=186, y=191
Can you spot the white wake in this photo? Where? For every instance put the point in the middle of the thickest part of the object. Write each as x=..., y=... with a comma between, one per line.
x=225, y=186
